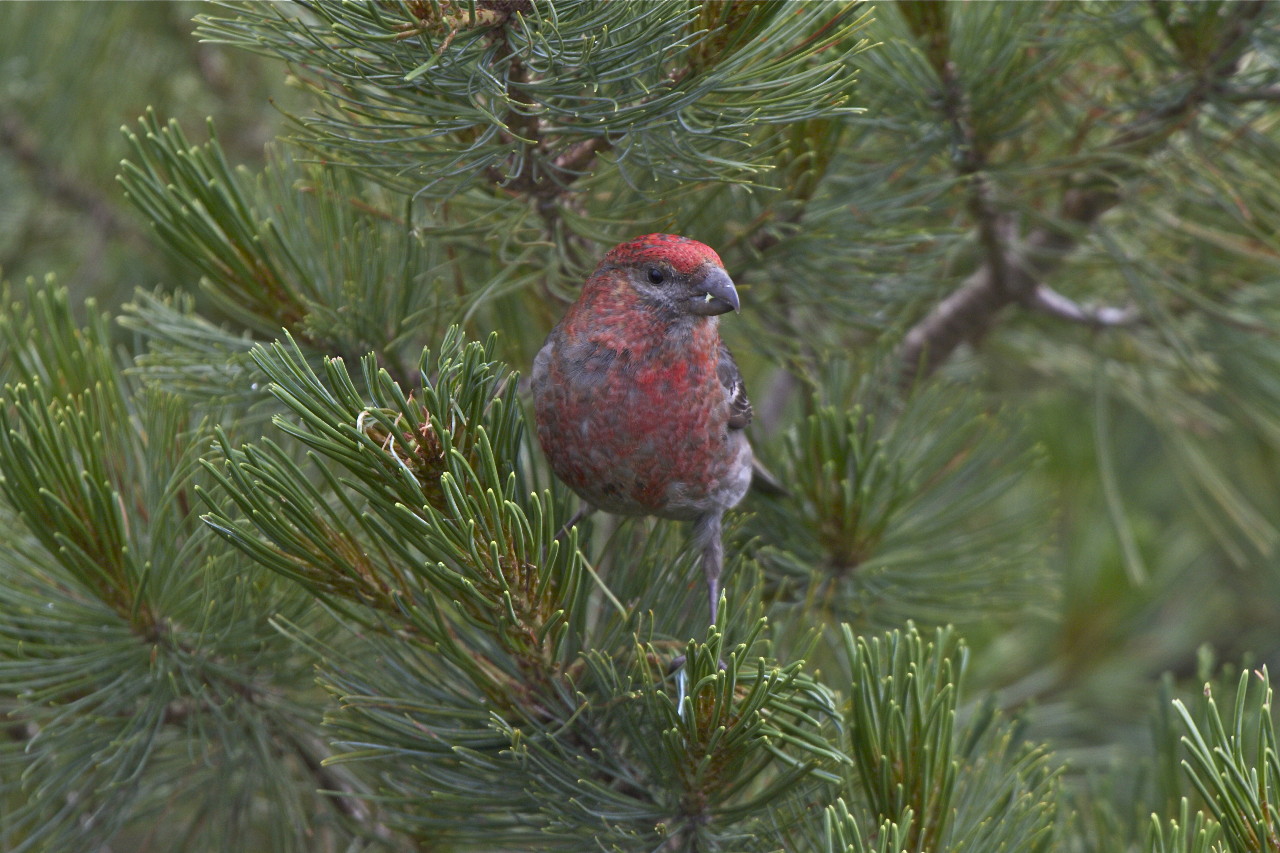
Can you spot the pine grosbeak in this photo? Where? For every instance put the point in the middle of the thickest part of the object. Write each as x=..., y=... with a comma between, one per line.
x=640, y=408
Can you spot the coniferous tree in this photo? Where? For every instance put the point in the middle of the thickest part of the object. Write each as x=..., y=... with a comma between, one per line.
x=284, y=573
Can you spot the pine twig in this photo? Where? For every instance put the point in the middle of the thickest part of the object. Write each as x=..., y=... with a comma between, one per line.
x=1049, y=301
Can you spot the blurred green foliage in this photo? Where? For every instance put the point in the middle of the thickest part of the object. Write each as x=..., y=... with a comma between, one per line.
x=73, y=74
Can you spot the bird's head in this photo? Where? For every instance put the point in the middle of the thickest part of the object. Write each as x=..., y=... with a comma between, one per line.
x=674, y=274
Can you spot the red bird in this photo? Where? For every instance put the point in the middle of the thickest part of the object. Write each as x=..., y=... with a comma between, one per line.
x=640, y=408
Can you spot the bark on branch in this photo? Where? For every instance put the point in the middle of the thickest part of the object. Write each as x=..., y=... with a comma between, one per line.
x=1049, y=301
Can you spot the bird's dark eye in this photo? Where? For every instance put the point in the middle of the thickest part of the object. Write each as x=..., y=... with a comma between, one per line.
x=656, y=276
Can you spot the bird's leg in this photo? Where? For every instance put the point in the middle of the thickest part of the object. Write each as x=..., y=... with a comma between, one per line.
x=706, y=533
x=583, y=511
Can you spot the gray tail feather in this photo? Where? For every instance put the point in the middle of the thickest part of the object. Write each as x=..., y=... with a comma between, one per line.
x=765, y=482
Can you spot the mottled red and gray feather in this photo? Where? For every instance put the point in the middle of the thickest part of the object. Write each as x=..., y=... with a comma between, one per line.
x=639, y=413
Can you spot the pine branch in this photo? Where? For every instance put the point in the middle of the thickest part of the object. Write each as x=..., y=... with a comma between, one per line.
x=434, y=550
x=894, y=511
x=312, y=250
x=843, y=833
x=685, y=112
x=1184, y=834
x=1017, y=275
x=130, y=643
x=1237, y=769
x=919, y=770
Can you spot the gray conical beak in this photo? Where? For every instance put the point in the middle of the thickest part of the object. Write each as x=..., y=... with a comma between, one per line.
x=713, y=293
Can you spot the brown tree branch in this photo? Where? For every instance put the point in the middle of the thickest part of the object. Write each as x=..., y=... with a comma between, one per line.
x=1007, y=276
x=1046, y=300
x=577, y=157
x=969, y=311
